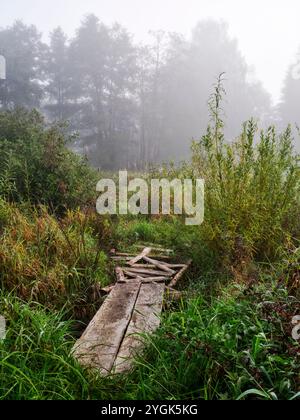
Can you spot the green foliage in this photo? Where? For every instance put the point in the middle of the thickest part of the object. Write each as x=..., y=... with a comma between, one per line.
x=24, y=51
x=35, y=357
x=229, y=337
x=58, y=263
x=236, y=346
x=252, y=194
x=36, y=165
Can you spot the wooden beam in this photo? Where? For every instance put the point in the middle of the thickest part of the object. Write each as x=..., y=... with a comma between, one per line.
x=179, y=275
x=123, y=254
x=155, y=248
x=146, y=279
x=121, y=258
x=129, y=273
x=143, y=254
x=175, y=265
x=146, y=272
x=142, y=266
x=161, y=265
x=155, y=280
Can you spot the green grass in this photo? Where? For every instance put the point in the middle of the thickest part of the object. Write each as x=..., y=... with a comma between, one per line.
x=233, y=345
x=221, y=349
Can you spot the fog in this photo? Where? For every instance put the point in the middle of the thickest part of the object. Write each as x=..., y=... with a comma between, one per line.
x=267, y=31
x=133, y=77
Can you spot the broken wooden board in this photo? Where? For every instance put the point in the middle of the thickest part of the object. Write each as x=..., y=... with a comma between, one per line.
x=145, y=272
x=112, y=337
x=145, y=319
x=180, y=274
x=99, y=345
x=160, y=265
x=138, y=258
x=145, y=267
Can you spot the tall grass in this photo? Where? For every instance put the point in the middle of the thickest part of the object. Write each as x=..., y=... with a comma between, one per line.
x=236, y=346
x=35, y=356
x=60, y=264
x=252, y=196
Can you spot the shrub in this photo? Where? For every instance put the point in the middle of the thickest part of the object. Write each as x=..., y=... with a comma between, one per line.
x=36, y=166
x=57, y=263
x=252, y=195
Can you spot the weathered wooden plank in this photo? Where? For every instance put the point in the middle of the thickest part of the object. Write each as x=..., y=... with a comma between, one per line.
x=162, y=266
x=172, y=294
x=128, y=257
x=129, y=273
x=178, y=276
x=145, y=319
x=147, y=272
x=99, y=345
x=138, y=258
x=123, y=254
x=162, y=257
x=175, y=265
x=148, y=279
x=142, y=266
x=155, y=248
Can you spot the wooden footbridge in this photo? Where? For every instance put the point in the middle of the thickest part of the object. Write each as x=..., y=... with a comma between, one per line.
x=132, y=309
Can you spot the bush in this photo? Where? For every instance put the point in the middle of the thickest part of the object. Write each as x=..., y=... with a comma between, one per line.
x=252, y=193
x=252, y=201
x=57, y=263
x=36, y=165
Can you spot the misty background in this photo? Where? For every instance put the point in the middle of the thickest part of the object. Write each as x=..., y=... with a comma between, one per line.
x=133, y=78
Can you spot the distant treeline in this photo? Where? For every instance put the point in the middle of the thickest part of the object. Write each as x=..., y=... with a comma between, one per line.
x=134, y=104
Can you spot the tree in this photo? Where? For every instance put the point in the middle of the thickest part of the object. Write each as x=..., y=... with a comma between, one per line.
x=103, y=61
x=132, y=106
x=289, y=107
x=22, y=47
x=151, y=96
x=59, y=88
x=191, y=69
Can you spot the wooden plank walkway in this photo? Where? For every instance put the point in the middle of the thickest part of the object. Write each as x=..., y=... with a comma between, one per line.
x=145, y=319
x=132, y=309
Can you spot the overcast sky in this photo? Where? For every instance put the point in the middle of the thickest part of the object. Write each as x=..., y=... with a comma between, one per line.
x=268, y=31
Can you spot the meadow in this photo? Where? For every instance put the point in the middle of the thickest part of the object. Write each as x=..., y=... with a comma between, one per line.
x=229, y=337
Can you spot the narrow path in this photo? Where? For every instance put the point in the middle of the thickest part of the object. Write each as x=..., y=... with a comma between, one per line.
x=132, y=309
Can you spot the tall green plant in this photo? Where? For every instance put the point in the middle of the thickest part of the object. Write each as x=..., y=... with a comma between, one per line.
x=37, y=166
x=252, y=186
